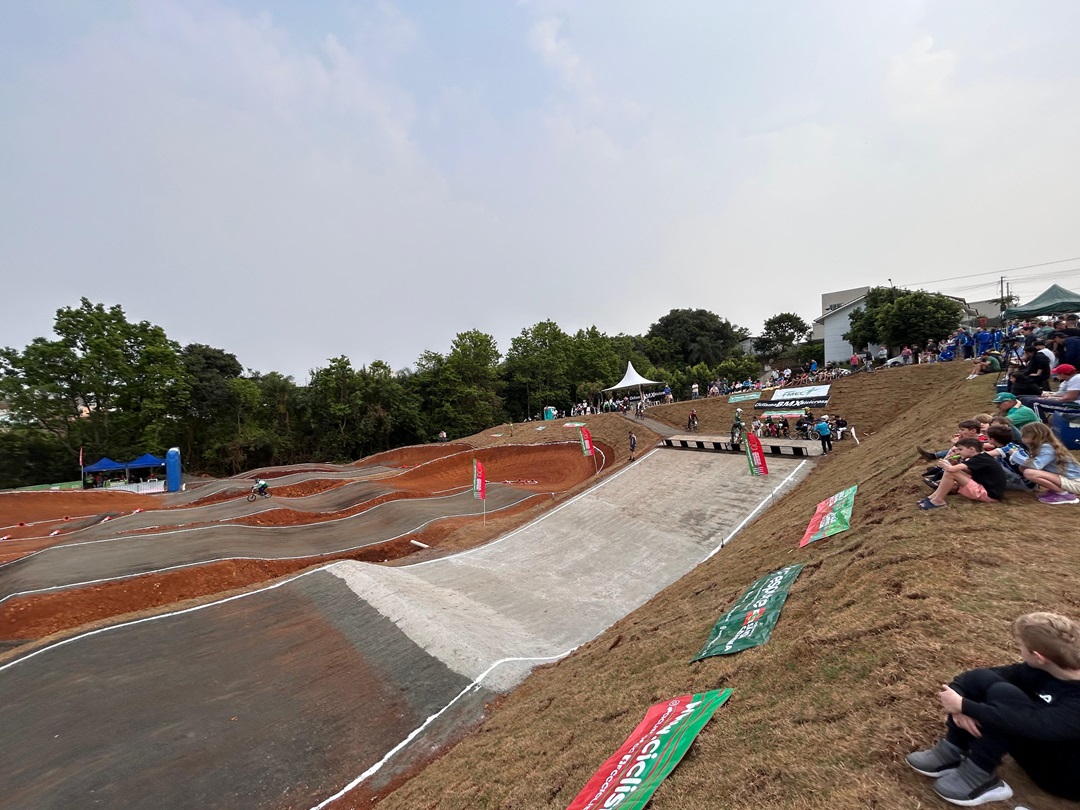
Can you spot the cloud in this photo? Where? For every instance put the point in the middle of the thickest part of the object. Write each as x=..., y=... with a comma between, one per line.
x=546, y=39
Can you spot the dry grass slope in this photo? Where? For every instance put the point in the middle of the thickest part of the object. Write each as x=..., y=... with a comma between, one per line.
x=823, y=713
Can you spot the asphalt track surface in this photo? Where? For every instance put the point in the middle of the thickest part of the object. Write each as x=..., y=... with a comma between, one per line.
x=83, y=562
x=284, y=697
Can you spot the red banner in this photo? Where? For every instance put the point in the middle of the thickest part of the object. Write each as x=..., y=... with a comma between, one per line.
x=586, y=442
x=479, y=485
x=755, y=455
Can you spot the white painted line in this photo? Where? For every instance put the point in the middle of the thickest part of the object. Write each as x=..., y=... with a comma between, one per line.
x=747, y=519
x=416, y=731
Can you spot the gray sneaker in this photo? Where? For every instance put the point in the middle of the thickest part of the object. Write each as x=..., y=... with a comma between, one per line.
x=937, y=761
x=969, y=786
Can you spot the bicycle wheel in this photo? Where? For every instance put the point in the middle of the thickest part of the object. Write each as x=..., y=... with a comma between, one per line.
x=252, y=497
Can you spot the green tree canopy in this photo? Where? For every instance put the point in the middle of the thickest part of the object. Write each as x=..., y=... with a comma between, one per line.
x=896, y=317
x=780, y=333
x=693, y=336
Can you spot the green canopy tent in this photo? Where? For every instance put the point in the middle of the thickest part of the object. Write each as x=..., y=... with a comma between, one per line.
x=1055, y=300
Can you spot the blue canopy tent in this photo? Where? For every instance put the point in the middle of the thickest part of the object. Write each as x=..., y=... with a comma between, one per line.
x=105, y=465
x=145, y=460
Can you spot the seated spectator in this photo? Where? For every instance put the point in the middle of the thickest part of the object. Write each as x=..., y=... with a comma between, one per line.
x=841, y=426
x=1033, y=378
x=1049, y=464
x=977, y=477
x=1030, y=711
x=984, y=422
x=1011, y=408
x=1064, y=399
x=968, y=429
x=1004, y=420
x=986, y=363
x=1001, y=437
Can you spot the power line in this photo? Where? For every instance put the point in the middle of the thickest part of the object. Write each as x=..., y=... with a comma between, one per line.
x=989, y=272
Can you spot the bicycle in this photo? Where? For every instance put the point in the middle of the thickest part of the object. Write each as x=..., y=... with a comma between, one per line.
x=257, y=493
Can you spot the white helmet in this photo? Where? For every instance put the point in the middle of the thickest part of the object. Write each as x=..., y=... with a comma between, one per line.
x=738, y=410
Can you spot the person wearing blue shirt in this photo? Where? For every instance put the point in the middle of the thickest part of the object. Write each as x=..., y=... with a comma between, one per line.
x=824, y=433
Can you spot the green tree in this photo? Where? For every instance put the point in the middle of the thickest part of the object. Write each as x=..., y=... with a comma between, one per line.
x=863, y=328
x=780, y=333
x=106, y=383
x=739, y=367
x=693, y=336
x=538, y=365
x=462, y=389
x=916, y=317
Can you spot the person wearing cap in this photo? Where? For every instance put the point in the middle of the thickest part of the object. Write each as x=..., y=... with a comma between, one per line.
x=1011, y=408
x=1066, y=398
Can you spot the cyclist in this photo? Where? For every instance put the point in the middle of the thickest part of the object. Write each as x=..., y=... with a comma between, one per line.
x=260, y=486
x=691, y=421
x=737, y=427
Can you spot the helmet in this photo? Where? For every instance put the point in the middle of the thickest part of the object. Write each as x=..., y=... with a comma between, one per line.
x=738, y=410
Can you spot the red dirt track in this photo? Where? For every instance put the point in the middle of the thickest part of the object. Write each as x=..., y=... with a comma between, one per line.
x=545, y=468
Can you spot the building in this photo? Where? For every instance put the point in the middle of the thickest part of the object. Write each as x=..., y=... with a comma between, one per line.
x=834, y=300
x=834, y=324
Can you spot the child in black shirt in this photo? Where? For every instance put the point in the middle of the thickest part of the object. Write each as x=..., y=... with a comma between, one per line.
x=977, y=477
x=1029, y=710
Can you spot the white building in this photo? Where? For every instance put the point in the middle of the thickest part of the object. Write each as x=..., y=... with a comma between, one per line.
x=834, y=300
x=834, y=324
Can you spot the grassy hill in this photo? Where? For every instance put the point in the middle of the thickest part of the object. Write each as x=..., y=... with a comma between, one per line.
x=822, y=715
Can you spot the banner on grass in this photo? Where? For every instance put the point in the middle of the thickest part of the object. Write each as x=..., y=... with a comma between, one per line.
x=832, y=516
x=784, y=414
x=805, y=392
x=633, y=773
x=744, y=397
x=586, y=442
x=751, y=619
x=755, y=455
x=806, y=402
x=479, y=485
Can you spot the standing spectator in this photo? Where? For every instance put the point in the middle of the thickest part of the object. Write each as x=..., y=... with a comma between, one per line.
x=882, y=355
x=824, y=433
x=633, y=445
x=694, y=391
x=906, y=355
x=855, y=360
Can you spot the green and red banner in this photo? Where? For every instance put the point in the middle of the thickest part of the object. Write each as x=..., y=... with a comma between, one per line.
x=832, y=516
x=755, y=455
x=744, y=397
x=479, y=484
x=752, y=618
x=586, y=442
x=633, y=773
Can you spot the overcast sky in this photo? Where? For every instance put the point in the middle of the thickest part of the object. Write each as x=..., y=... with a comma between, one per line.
x=293, y=181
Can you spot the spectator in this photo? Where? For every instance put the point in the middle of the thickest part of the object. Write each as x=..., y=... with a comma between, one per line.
x=1030, y=711
x=985, y=363
x=977, y=477
x=1010, y=407
x=1048, y=464
x=1004, y=442
x=1064, y=399
x=840, y=423
x=905, y=353
x=968, y=429
x=1034, y=377
x=824, y=433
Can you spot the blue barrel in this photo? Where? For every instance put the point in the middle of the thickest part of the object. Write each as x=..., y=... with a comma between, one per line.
x=172, y=470
x=1066, y=426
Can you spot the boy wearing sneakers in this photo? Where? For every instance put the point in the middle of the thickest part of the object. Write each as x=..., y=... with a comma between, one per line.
x=976, y=476
x=1029, y=710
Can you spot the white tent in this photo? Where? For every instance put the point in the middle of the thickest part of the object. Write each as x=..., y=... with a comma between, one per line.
x=631, y=379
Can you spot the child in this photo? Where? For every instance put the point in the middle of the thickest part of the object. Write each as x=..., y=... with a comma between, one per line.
x=1029, y=710
x=1001, y=437
x=1048, y=464
x=977, y=477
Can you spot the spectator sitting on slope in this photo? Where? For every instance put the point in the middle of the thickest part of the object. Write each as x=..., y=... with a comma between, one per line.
x=1066, y=398
x=968, y=429
x=988, y=362
x=1001, y=437
x=1017, y=414
x=1033, y=378
x=977, y=477
x=1049, y=464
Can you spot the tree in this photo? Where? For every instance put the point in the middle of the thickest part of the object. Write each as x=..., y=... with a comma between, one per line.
x=106, y=383
x=463, y=396
x=538, y=367
x=780, y=333
x=694, y=336
x=916, y=317
x=863, y=329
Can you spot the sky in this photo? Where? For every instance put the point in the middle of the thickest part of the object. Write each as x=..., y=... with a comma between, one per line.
x=292, y=182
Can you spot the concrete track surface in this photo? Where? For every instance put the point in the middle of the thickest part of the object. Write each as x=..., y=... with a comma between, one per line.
x=288, y=695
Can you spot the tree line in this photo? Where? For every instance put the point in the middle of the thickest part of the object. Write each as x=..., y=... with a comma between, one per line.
x=119, y=388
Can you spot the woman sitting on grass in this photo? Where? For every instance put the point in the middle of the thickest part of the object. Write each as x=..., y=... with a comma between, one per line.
x=1048, y=464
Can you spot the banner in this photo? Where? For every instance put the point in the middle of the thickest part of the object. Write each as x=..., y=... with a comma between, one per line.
x=755, y=455
x=782, y=414
x=633, y=773
x=744, y=397
x=751, y=619
x=586, y=442
x=810, y=402
x=479, y=485
x=832, y=516
x=805, y=392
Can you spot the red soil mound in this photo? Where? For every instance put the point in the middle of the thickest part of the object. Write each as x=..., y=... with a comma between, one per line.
x=410, y=456
x=535, y=467
x=28, y=507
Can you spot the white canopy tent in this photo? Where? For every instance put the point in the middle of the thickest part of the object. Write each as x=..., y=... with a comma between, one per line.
x=631, y=379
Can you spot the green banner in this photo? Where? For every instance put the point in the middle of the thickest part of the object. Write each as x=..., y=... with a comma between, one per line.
x=832, y=516
x=751, y=619
x=744, y=397
x=632, y=774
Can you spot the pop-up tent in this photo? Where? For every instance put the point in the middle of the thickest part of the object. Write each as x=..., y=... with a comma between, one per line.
x=104, y=465
x=1054, y=300
x=145, y=460
x=631, y=379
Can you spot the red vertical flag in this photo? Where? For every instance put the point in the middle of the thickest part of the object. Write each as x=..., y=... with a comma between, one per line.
x=479, y=485
x=586, y=442
x=80, y=457
x=756, y=455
